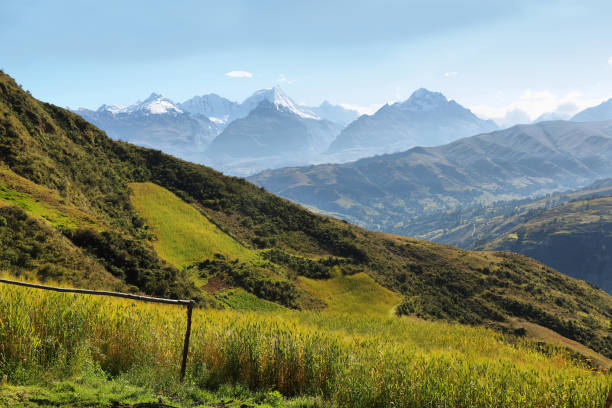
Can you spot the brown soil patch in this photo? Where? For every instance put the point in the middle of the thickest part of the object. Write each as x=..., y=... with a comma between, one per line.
x=215, y=284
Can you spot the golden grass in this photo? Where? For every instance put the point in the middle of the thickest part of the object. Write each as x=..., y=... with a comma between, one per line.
x=349, y=360
x=183, y=234
x=357, y=293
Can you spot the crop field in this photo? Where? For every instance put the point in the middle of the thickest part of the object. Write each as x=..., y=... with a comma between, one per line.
x=322, y=359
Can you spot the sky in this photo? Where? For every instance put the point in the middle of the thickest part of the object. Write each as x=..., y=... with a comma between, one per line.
x=502, y=59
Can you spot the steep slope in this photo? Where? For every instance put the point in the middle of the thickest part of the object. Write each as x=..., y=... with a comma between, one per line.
x=600, y=112
x=425, y=119
x=385, y=192
x=57, y=149
x=575, y=238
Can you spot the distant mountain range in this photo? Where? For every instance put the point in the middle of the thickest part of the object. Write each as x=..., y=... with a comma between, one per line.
x=384, y=192
x=243, y=138
x=565, y=111
x=268, y=129
x=156, y=122
x=425, y=119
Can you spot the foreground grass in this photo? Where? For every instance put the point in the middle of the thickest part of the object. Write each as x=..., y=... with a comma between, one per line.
x=326, y=359
x=96, y=391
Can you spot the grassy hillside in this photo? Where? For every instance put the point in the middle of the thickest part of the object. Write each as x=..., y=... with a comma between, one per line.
x=472, y=227
x=325, y=360
x=183, y=234
x=58, y=151
x=575, y=238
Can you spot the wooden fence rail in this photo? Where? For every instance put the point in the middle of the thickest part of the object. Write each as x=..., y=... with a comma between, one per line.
x=188, y=303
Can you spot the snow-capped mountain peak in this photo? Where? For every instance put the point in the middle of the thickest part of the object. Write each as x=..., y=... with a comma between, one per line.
x=155, y=104
x=216, y=108
x=114, y=109
x=281, y=100
x=424, y=100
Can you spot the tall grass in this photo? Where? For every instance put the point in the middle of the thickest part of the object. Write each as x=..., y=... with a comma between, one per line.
x=347, y=360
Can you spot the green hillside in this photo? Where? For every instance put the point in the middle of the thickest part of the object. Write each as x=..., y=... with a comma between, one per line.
x=575, y=238
x=473, y=227
x=131, y=243
x=183, y=234
x=357, y=293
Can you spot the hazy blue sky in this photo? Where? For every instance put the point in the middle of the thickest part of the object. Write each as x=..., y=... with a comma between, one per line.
x=488, y=55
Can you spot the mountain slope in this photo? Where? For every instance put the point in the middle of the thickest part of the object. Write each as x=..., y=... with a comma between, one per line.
x=575, y=238
x=597, y=113
x=335, y=113
x=473, y=226
x=425, y=119
x=274, y=134
x=57, y=149
x=384, y=192
x=216, y=108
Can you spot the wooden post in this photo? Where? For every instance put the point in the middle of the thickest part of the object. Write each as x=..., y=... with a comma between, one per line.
x=187, y=335
x=609, y=400
x=188, y=303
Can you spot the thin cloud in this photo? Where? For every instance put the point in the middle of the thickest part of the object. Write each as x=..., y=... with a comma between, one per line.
x=450, y=74
x=239, y=74
x=610, y=61
x=535, y=103
x=282, y=79
x=362, y=110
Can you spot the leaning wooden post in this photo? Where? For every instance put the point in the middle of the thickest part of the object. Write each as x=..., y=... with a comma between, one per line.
x=187, y=335
x=609, y=400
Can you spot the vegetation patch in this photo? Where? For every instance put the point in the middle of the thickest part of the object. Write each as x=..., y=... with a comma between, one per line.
x=239, y=299
x=357, y=293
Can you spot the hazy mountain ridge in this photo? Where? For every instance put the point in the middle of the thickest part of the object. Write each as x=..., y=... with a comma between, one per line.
x=272, y=135
x=425, y=119
x=600, y=112
x=384, y=192
x=156, y=122
x=335, y=113
x=216, y=108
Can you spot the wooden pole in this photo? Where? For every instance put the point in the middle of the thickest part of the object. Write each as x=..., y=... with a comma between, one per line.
x=99, y=292
x=188, y=303
x=609, y=400
x=186, y=345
